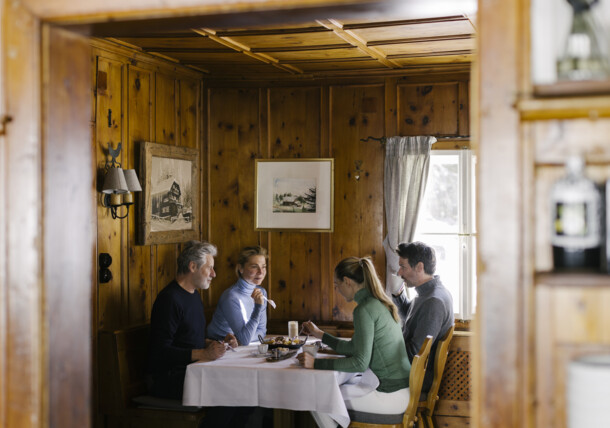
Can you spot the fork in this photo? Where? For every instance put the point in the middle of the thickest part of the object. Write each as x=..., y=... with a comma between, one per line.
x=227, y=346
x=271, y=302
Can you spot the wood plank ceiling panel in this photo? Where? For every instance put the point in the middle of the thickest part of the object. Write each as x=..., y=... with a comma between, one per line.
x=428, y=48
x=315, y=49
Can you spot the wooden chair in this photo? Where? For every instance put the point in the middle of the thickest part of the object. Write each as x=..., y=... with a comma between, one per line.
x=123, y=402
x=425, y=408
x=416, y=379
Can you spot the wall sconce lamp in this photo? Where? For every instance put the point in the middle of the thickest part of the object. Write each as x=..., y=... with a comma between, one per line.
x=118, y=184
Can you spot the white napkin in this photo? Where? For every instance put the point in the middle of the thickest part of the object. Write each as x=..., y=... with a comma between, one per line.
x=353, y=385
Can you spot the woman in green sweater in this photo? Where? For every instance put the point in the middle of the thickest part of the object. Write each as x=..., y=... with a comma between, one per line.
x=377, y=343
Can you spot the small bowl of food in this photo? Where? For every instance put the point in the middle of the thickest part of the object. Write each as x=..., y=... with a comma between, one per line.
x=285, y=342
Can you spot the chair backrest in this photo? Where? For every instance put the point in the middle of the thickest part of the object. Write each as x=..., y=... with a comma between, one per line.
x=416, y=380
x=442, y=350
x=122, y=363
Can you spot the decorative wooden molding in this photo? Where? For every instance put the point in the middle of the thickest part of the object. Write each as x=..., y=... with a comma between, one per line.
x=351, y=38
x=246, y=50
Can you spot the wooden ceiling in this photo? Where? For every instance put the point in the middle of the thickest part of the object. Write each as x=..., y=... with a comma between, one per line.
x=318, y=49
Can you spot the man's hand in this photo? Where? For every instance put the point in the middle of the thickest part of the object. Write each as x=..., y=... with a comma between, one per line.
x=231, y=340
x=212, y=351
x=257, y=295
x=306, y=360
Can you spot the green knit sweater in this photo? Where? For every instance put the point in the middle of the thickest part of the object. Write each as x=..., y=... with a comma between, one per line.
x=377, y=343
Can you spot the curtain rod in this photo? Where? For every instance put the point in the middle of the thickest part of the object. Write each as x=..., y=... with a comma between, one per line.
x=382, y=140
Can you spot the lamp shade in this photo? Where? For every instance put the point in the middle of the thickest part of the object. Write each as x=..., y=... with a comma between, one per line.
x=114, y=182
x=133, y=184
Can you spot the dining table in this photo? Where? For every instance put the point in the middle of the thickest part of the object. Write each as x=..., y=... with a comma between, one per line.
x=246, y=378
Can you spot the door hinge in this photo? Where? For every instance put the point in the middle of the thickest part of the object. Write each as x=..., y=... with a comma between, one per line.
x=3, y=121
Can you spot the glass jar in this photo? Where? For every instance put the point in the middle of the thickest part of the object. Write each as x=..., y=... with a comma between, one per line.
x=584, y=56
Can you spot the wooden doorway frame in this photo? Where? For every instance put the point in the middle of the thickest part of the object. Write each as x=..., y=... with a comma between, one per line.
x=47, y=201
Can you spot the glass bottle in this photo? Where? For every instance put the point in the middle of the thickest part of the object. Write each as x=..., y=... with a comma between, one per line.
x=584, y=52
x=576, y=226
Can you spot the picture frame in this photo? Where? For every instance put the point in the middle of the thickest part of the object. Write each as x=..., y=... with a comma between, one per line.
x=170, y=191
x=294, y=195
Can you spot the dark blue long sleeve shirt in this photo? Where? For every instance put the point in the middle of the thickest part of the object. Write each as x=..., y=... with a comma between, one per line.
x=177, y=326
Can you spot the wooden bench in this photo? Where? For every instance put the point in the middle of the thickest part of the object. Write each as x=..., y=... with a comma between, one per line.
x=123, y=357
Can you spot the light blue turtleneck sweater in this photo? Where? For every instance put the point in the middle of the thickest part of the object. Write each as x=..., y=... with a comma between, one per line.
x=238, y=314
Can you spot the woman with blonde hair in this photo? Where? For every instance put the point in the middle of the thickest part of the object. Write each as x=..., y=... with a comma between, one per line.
x=376, y=348
x=242, y=309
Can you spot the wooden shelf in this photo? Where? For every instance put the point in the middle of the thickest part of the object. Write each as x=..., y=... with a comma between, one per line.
x=572, y=279
x=573, y=88
x=592, y=107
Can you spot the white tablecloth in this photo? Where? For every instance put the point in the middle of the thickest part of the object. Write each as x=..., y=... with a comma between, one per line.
x=240, y=379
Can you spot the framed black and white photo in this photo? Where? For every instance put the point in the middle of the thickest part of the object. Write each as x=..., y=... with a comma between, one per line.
x=170, y=212
x=294, y=194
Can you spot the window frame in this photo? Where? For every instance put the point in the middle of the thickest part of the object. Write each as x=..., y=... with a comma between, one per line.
x=466, y=233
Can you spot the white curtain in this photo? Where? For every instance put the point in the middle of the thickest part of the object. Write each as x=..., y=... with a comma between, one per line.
x=407, y=160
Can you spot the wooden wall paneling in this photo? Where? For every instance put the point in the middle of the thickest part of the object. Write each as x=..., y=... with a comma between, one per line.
x=357, y=112
x=188, y=113
x=294, y=132
x=233, y=147
x=545, y=383
x=572, y=322
x=109, y=128
x=165, y=133
x=22, y=367
x=326, y=286
x=263, y=153
x=428, y=109
x=391, y=108
x=68, y=190
x=463, y=108
x=205, y=203
x=139, y=121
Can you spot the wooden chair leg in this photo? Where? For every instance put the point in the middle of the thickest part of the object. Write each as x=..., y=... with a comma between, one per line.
x=429, y=422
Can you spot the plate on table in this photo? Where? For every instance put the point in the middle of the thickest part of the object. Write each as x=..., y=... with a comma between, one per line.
x=284, y=342
x=282, y=356
x=258, y=354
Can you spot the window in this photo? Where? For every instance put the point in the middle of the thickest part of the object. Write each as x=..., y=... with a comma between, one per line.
x=446, y=222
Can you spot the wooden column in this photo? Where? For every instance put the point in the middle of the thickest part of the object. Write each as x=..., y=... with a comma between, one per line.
x=500, y=367
x=68, y=229
x=21, y=335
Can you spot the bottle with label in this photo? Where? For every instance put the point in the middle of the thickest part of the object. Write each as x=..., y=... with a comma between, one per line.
x=576, y=226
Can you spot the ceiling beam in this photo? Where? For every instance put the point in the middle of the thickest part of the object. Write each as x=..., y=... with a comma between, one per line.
x=246, y=50
x=351, y=38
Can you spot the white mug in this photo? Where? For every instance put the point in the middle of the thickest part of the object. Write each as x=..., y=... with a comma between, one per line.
x=262, y=348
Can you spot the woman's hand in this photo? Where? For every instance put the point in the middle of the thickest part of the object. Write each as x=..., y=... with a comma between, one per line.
x=258, y=296
x=306, y=360
x=231, y=340
x=310, y=328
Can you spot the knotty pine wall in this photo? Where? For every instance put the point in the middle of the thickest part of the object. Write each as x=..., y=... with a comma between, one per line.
x=233, y=125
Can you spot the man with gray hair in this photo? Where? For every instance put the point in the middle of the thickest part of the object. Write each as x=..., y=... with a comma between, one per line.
x=177, y=324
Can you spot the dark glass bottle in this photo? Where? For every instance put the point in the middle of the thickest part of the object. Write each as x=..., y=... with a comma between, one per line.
x=576, y=232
